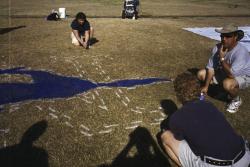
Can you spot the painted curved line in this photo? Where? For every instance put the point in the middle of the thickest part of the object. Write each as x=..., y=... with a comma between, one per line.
x=47, y=85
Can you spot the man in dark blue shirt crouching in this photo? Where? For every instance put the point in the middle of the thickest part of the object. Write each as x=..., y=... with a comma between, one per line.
x=198, y=135
x=82, y=32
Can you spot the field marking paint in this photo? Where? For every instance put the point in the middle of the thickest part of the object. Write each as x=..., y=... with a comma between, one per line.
x=66, y=116
x=105, y=131
x=53, y=116
x=163, y=115
x=53, y=110
x=159, y=119
x=109, y=126
x=120, y=90
x=97, y=93
x=155, y=123
x=117, y=94
x=131, y=127
x=126, y=97
x=124, y=103
x=69, y=124
x=86, y=101
x=154, y=111
x=84, y=127
x=136, y=111
x=136, y=122
x=93, y=96
x=103, y=107
x=39, y=108
x=85, y=133
x=102, y=101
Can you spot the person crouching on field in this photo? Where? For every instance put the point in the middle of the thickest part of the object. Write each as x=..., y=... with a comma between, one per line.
x=198, y=135
x=82, y=32
x=229, y=66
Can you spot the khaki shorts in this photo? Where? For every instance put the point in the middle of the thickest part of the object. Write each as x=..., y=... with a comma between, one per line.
x=243, y=81
x=189, y=159
x=74, y=40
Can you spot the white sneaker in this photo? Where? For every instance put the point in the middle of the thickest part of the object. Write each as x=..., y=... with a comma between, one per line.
x=234, y=105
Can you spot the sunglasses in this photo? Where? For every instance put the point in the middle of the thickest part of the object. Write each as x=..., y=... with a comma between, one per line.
x=226, y=35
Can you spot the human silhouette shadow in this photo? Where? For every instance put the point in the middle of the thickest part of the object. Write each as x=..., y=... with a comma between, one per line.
x=214, y=91
x=147, y=155
x=47, y=85
x=169, y=107
x=9, y=29
x=25, y=154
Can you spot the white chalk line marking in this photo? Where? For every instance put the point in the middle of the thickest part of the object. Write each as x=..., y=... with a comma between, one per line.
x=131, y=127
x=155, y=123
x=39, y=108
x=53, y=116
x=117, y=94
x=136, y=122
x=159, y=119
x=105, y=131
x=109, y=126
x=85, y=133
x=103, y=107
x=84, y=127
x=136, y=111
x=154, y=111
x=124, y=103
x=69, y=124
x=53, y=110
x=66, y=116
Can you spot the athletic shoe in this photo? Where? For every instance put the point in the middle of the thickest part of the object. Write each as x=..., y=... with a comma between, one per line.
x=234, y=105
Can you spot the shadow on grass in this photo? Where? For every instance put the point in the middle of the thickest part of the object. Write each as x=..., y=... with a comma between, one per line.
x=24, y=153
x=214, y=91
x=148, y=153
x=93, y=41
x=169, y=107
x=9, y=29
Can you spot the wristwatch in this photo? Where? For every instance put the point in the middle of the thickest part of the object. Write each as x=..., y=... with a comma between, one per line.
x=222, y=59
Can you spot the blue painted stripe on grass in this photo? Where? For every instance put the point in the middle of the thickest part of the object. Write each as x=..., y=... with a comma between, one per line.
x=47, y=85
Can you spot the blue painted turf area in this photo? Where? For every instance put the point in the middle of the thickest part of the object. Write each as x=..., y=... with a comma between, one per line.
x=47, y=85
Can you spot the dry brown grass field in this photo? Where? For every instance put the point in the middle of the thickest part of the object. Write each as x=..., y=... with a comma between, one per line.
x=79, y=131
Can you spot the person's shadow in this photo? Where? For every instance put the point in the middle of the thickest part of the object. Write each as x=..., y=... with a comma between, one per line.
x=148, y=153
x=9, y=29
x=169, y=107
x=25, y=154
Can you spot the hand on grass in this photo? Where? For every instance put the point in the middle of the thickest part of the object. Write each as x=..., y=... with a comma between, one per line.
x=85, y=45
x=204, y=89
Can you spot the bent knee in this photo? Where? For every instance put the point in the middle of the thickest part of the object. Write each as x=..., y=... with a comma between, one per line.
x=229, y=84
x=201, y=75
x=76, y=43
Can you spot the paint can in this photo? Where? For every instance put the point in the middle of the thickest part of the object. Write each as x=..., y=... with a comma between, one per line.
x=62, y=13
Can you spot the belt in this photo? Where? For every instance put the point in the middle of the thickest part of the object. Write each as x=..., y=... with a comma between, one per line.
x=223, y=162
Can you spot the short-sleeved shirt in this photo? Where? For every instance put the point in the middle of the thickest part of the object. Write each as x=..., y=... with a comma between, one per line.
x=238, y=58
x=81, y=28
x=206, y=130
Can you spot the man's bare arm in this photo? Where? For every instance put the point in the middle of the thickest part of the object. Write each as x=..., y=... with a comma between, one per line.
x=209, y=77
